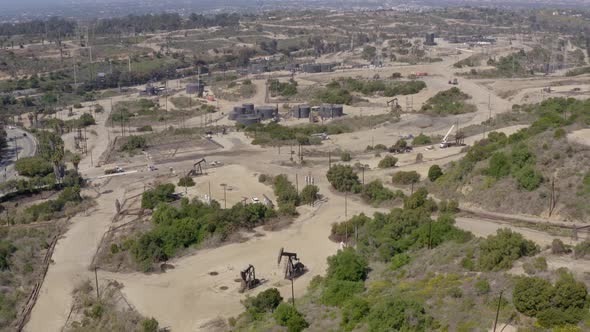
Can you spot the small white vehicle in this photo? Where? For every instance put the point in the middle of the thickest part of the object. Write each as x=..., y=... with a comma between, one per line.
x=255, y=200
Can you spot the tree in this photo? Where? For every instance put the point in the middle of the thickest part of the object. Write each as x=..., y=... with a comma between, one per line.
x=266, y=301
x=398, y=314
x=309, y=194
x=162, y=193
x=434, y=172
x=405, y=177
x=532, y=295
x=86, y=120
x=498, y=252
x=343, y=178
x=186, y=181
x=33, y=166
x=345, y=156
x=150, y=325
x=286, y=315
x=347, y=265
x=388, y=162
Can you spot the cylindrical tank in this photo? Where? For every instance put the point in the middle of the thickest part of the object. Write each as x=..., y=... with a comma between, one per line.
x=249, y=108
x=325, y=67
x=239, y=110
x=232, y=115
x=266, y=112
x=248, y=120
x=337, y=110
x=304, y=111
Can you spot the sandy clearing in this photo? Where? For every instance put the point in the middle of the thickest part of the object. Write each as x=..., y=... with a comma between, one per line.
x=581, y=136
x=167, y=296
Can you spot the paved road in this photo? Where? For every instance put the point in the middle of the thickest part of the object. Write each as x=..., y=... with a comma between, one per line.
x=18, y=146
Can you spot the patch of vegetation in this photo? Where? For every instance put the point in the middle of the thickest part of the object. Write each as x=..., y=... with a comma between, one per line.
x=388, y=161
x=385, y=88
x=284, y=89
x=163, y=193
x=448, y=102
x=434, y=172
x=68, y=199
x=344, y=178
x=553, y=305
x=405, y=177
x=178, y=228
x=376, y=194
x=276, y=134
x=134, y=143
x=33, y=167
x=421, y=140
x=333, y=94
x=499, y=251
x=287, y=197
x=186, y=181
x=578, y=71
x=345, y=156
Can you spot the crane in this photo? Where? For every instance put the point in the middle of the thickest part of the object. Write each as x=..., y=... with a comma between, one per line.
x=445, y=143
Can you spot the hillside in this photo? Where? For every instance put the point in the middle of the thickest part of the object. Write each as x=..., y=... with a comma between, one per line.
x=520, y=173
x=410, y=272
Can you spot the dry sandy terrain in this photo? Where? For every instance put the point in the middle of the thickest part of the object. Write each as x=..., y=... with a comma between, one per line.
x=188, y=296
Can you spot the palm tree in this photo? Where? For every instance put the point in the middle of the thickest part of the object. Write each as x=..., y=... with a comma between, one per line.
x=76, y=161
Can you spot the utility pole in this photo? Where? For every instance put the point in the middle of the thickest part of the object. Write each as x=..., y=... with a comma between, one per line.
x=429, y=233
x=346, y=204
x=363, y=169
x=16, y=147
x=96, y=278
x=297, y=183
x=498, y=310
x=224, y=196
x=292, y=292
x=209, y=192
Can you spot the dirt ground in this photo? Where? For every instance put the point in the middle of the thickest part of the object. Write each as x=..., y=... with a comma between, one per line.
x=188, y=296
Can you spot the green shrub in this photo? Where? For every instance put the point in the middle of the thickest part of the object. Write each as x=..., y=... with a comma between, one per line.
x=582, y=249
x=499, y=166
x=405, y=177
x=354, y=311
x=448, y=102
x=266, y=301
x=347, y=265
x=343, y=178
x=421, y=140
x=345, y=156
x=286, y=315
x=482, y=286
x=134, y=143
x=86, y=120
x=399, y=260
x=186, y=181
x=309, y=194
x=528, y=178
x=398, y=314
x=434, y=172
x=6, y=251
x=532, y=295
x=287, y=196
x=33, y=166
x=150, y=325
x=375, y=193
x=388, y=162
x=162, y=193
x=498, y=252
x=336, y=292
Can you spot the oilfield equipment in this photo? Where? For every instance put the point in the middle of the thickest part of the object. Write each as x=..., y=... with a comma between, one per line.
x=248, y=276
x=197, y=168
x=394, y=104
x=294, y=267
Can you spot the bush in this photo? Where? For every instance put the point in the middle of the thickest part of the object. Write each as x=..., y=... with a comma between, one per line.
x=309, y=194
x=287, y=197
x=86, y=120
x=133, y=143
x=582, y=249
x=353, y=312
x=162, y=193
x=405, y=177
x=421, y=140
x=528, y=178
x=388, y=162
x=33, y=166
x=498, y=252
x=434, y=172
x=398, y=314
x=347, y=265
x=532, y=295
x=375, y=193
x=399, y=260
x=286, y=315
x=482, y=286
x=264, y=302
x=186, y=181
x=150, y=325
x=343, y=178
x=448, y=102
x=336, y=292
x=345, y=156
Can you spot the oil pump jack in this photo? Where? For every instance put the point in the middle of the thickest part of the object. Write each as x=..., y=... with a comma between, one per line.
x=294, y=267
x=249, y=280
x=197, y=168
